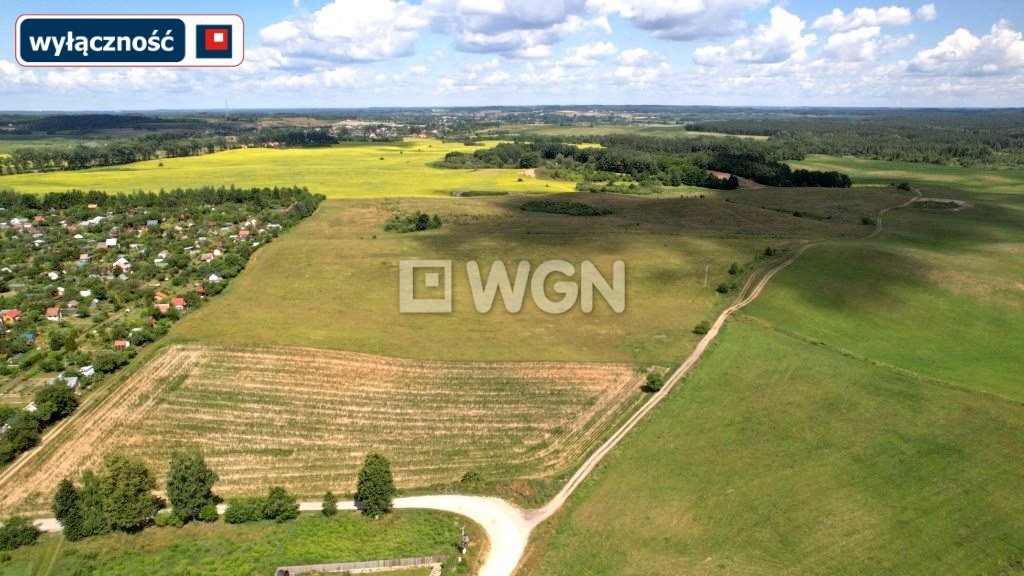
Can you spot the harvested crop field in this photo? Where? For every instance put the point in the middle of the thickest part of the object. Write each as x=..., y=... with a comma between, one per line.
x=304, y=418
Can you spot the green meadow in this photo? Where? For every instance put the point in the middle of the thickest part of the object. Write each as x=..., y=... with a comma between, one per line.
x=778, y=456
x=864, y=416
x=332, y=282
x=355, y=170
x=875, y=172
x=220, y=549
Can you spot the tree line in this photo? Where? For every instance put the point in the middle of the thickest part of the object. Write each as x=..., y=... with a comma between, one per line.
x=949, y=137
x=154, y=147
x=120, y=498
x=652, y=161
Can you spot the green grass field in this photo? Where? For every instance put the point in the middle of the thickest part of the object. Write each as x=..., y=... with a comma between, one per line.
x=357, y=170
x=864, y=416
x=333, y=281
x=873, y=172
x=781, y=457
x=221, y=549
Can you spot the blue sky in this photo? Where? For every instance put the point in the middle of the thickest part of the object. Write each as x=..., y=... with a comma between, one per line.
x=348, y=53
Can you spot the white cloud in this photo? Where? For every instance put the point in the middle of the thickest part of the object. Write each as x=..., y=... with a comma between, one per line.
x=780, y=40
x=927, y=13
x=680, y=19
x=589, y=54
x=858, y=45
x=347, y=31
x=639, y=56
x=711, y=55
x=518, y=28
x=1001, y=51
x=838, y=21
x=341, y=77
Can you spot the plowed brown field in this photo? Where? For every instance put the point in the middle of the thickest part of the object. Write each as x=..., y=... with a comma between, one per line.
x=304, y=418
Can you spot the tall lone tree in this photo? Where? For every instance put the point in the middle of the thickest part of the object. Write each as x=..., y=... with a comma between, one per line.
x=128, y=500
x=67, y=509
x=190, y=484
x=375, y=488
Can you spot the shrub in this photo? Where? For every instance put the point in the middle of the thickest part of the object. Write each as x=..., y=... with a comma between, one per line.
x=17, y=532
x=734, y=269
x=168, y=519
x=280, y=506
x=330, y=505
x=723, y=288
x=242, y=510
x=472, y=477
x=702, y=328
x=567, y=208
x=208, y=513
x=415, y=222
x=867, y=221
x=654, y=383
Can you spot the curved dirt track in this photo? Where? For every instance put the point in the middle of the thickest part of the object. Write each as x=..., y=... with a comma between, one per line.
x=508, y=527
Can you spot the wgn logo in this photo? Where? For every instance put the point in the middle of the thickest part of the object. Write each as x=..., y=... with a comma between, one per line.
x=120, y=40
x=425, y=286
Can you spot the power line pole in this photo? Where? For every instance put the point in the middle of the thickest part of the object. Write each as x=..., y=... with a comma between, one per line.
x=706, y=267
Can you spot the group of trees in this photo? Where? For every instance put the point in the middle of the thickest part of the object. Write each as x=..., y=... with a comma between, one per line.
x=652, y=161
x=23, y=428
x=759, y=168
x=120, y=498
x=412, y=222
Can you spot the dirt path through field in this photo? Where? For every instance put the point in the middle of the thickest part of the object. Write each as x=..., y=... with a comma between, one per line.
x=508, y=528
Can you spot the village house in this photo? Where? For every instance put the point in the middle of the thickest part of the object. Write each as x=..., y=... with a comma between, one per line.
x=159, y=297
x=179, y=304
x=10, y=315
x=53, y=314
x=87, y=371
x=123, y=264
x=121, y=345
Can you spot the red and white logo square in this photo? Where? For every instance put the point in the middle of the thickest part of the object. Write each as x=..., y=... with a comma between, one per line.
x=216, y=39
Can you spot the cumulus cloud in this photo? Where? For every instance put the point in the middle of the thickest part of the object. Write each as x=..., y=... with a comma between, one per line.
x=522, y=28
x=679, y=19
x=640, y=57
x=345, y=31
x=1001, y=51
x=780, y=40
x=589, y=54
x=839, y=21
x=341, y=77
x=860, y=44
x=927, y=13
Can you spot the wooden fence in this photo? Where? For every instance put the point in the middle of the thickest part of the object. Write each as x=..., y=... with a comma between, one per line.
x=367, y=566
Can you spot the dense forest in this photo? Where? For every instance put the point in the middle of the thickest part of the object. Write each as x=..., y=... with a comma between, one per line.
x=963, y=138
x=652, y=161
